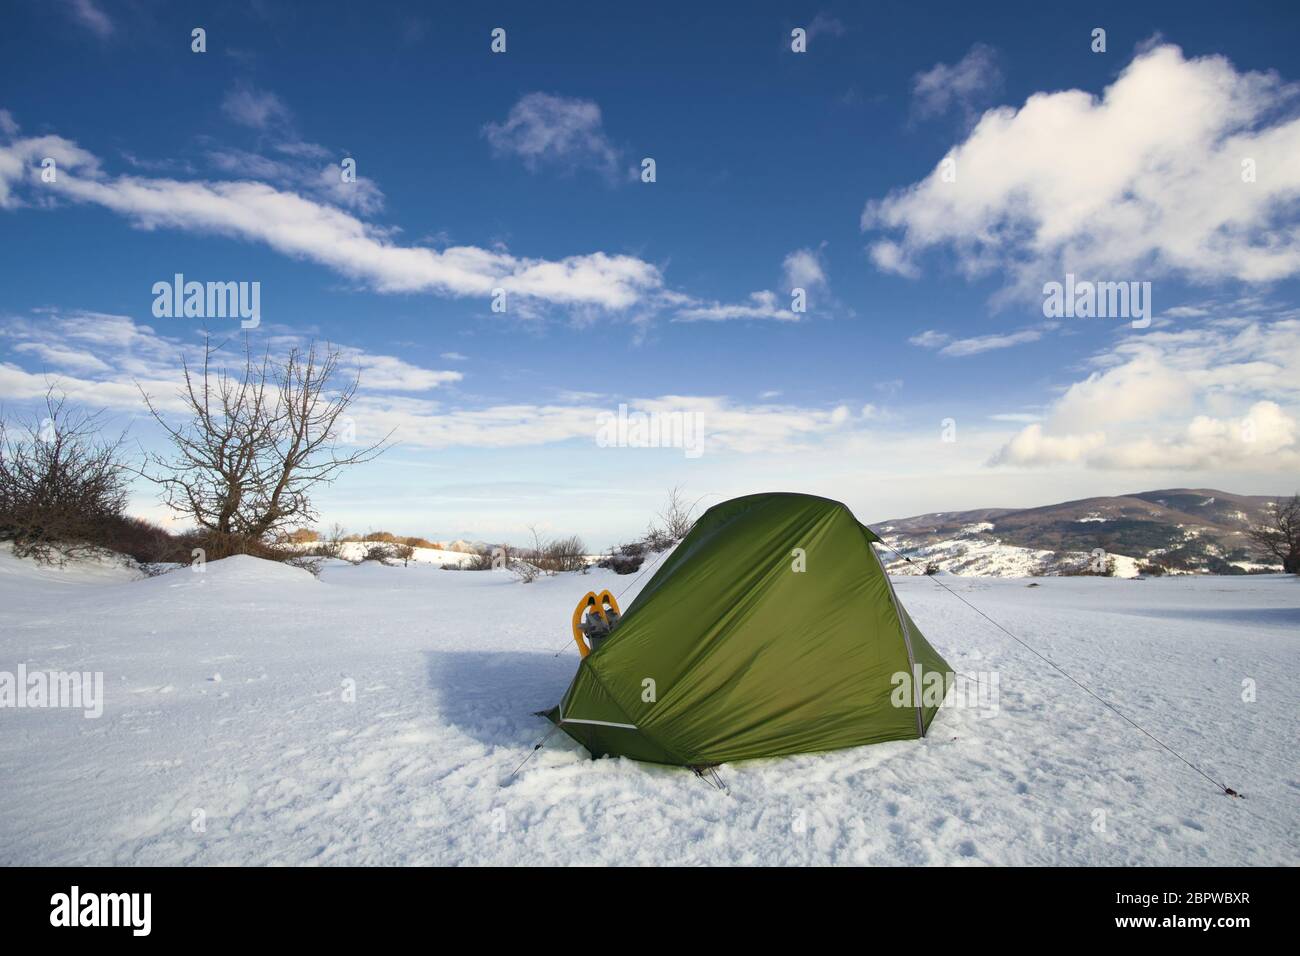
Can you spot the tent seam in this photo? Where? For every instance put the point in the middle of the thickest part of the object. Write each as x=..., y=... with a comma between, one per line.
x=907, y=636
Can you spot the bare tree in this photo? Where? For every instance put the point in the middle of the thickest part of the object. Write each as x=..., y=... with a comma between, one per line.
x=1278, y=533
x=60, y=484
x=527, y=563
x=256, y=443
x=334, y=538
x=567, y=554
x=676, y=516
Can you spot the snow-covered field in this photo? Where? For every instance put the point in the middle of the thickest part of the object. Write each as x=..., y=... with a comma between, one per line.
x=228, y=733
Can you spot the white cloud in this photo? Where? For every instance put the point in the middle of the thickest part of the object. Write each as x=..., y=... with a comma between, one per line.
x=389, y=373
x=302, y=150
x=360, y=194
x=889, y=256
x=1144, y=181
x=60, y=356
x=929, y=339
x=1264, y=437
x=823, y=24
x=8, y=125
x=304, y=228
x=298, y=164
x=728, y=426
x=90, y=16
x=1222, y=396
x=97, y=358
x=254, y=108
x=761, y=305
x=800, y=269
x=986, y=343
x=542, y=128
x=1186, y=312
x=1031, y=446
x=248, y=165
x=20, y=161
x=804, y=269
x=947, y=345
x=964, y=85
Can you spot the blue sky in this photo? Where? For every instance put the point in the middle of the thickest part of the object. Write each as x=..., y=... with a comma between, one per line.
x=774, y=169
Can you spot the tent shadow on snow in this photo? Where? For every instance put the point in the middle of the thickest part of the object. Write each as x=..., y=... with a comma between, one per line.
x=492, y=695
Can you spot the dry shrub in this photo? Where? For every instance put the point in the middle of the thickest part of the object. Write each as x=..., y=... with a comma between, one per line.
x=480, y=561
x=675, y=523
x=62, y=487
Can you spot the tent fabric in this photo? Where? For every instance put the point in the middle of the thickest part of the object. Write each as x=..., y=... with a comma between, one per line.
x=772, y=629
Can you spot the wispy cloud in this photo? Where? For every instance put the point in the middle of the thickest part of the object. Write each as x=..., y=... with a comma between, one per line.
x=728, y=426
x=254, y=108
x=824, y=24
x=97, y=358
x=965, y=86
x=801, y=269
x=973, y=345
x=102, y=360
x=543, y=129
x=930, y=339
x=90, y=15
x=987, y=343
x=760, y=305
x=302, y=227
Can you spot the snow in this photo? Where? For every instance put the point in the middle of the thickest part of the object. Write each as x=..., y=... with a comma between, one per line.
x=356, y=550
x=1125, y=567
x=990, y=556
x=374, y=716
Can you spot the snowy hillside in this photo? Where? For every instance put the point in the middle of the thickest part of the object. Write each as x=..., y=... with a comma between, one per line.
x=973, y=551
x=1171, y=531
x=254, y=714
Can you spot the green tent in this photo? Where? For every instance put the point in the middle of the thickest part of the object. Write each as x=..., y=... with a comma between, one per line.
x=772, y=629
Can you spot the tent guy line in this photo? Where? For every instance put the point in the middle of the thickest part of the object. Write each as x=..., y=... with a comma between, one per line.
x=1227, y=790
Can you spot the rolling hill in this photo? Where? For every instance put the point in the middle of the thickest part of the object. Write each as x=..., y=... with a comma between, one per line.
x=1175, y=531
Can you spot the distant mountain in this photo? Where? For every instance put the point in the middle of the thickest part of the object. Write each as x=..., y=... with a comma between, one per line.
x=467, y=547
x=1177, y=531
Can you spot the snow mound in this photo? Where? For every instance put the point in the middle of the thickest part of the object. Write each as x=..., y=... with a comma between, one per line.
x=98, y=567
x=241, y=571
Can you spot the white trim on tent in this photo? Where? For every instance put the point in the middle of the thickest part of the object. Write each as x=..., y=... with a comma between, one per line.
x=597, y=723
